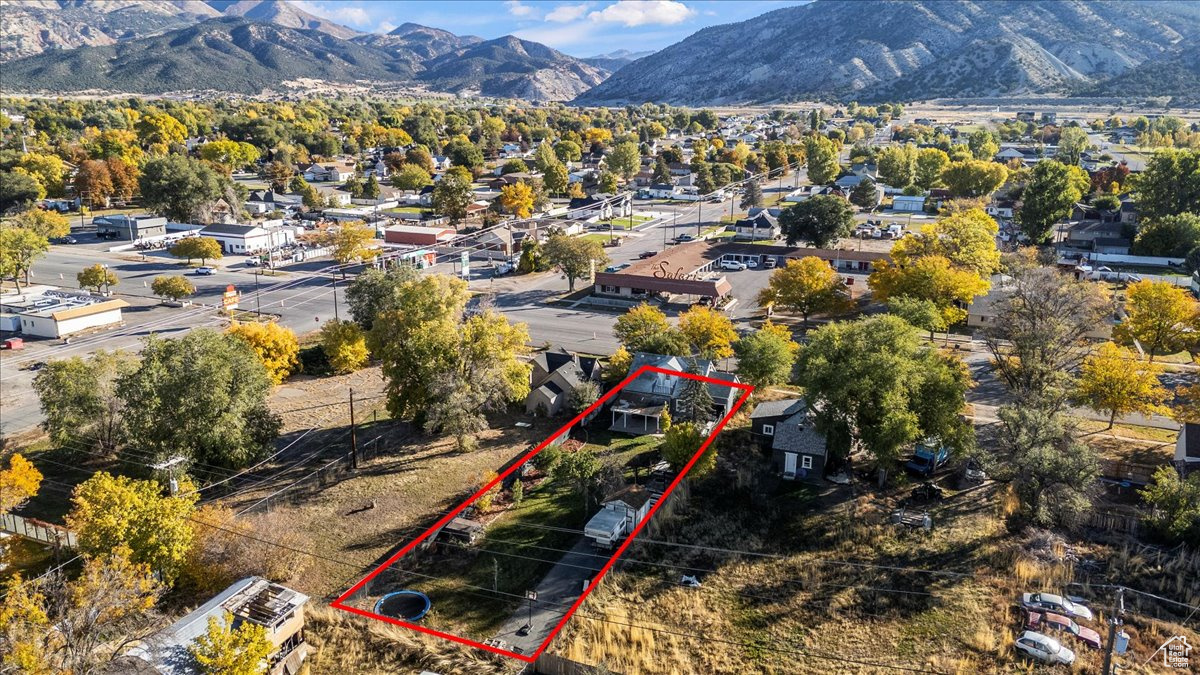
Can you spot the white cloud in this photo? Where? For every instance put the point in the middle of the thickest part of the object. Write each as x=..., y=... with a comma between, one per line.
x=385, y=27
x=347, y=14
x=567, y=13
x=517, y=9
x=644, y=12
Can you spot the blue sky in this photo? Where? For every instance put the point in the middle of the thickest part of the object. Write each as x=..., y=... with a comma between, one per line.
x=577, y=27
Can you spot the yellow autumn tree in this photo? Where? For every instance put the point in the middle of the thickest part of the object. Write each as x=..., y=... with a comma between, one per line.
x=18, y=483
x=966, y=238
x=224, y=650
x=618, y=365
x=108, y=511
x=806, y=286
x=59, y=625
x=708, y=332
x=1116, y=381
x=352, y=241
x=1160, y=317
x=275, y=345
x=345, y=345
x=517, y=199
x=930, y=278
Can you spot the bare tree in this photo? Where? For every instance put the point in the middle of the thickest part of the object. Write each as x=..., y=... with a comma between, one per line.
x=1039, y=335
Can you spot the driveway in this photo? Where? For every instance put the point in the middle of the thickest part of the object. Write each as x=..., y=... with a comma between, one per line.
x=558, y=590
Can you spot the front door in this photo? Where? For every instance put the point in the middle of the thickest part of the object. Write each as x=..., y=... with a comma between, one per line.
x=789, y=463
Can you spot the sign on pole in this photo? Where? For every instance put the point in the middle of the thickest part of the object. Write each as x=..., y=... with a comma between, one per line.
x=466, y=265
x=229, y=301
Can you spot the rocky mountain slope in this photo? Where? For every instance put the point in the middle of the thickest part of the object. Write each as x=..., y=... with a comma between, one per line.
x=237, y=55
x=281, y=14
x=225, y=54
x=509, y=67
x=909, y=49
x=33, y=26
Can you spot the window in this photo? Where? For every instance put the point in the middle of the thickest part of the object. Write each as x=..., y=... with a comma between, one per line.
x=805, y=461
x=768, y=430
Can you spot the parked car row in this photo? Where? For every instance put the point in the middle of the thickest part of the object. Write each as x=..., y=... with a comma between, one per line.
x=1051, y=613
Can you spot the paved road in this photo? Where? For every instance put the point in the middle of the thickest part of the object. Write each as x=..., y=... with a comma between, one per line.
x=302, y=299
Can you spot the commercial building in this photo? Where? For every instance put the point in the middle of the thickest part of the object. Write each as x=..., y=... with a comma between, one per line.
x=693, y=269
x=49, y=312
x=129, y=227
x=249, y=239
x=416, y=235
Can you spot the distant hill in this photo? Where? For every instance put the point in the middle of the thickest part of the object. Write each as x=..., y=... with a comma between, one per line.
x=1177, y=78
x=910, y=49
x=512, y=68
x=235, y=54
x=614, y=61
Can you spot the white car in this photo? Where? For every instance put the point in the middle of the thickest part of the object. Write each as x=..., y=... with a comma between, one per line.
x=205, y=271
x=752, y=264
x=1049, y=602
x=1043, y=648
x=732, y=265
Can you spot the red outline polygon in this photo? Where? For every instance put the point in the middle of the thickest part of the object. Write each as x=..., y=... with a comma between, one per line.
x=530, y=658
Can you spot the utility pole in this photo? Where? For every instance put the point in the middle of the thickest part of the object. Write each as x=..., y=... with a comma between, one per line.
x=353, y=435
x=169, y=466
x=257, y=297
x=1113, y=622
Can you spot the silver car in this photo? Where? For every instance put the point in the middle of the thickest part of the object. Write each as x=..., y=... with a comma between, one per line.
x=1049, y=602
x=1044, y=648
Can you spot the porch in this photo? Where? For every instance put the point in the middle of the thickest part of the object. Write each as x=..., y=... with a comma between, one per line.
x=637, y=420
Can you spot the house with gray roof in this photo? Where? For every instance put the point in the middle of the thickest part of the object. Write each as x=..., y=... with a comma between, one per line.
x=640, y=403
x=760, y=226
x=555, y=374
x=787, y=428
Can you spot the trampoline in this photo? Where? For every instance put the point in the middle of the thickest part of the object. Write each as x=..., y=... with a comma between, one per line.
x=407, y=605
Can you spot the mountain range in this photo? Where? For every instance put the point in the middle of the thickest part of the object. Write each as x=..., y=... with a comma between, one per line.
x=911, y=49
x=254, y=46
x=824, y=50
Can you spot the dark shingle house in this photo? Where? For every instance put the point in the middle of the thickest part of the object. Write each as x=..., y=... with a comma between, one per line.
x=556, y=372
x=787, y=428
x=760, y=226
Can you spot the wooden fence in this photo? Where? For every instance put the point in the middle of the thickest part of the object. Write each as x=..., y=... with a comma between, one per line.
x=37, y=530
x=1114, y=521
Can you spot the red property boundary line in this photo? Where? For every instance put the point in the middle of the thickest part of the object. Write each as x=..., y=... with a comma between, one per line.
x=339, y=603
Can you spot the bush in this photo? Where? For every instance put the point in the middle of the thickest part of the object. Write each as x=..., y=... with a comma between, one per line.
x=314, y=361
x=547, y=459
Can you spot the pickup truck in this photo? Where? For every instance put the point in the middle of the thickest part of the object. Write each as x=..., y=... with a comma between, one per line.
x=928, y=457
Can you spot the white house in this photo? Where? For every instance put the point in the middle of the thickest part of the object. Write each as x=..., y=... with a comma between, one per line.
x=49, y=312
x=661, y=191
x=330, y=172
